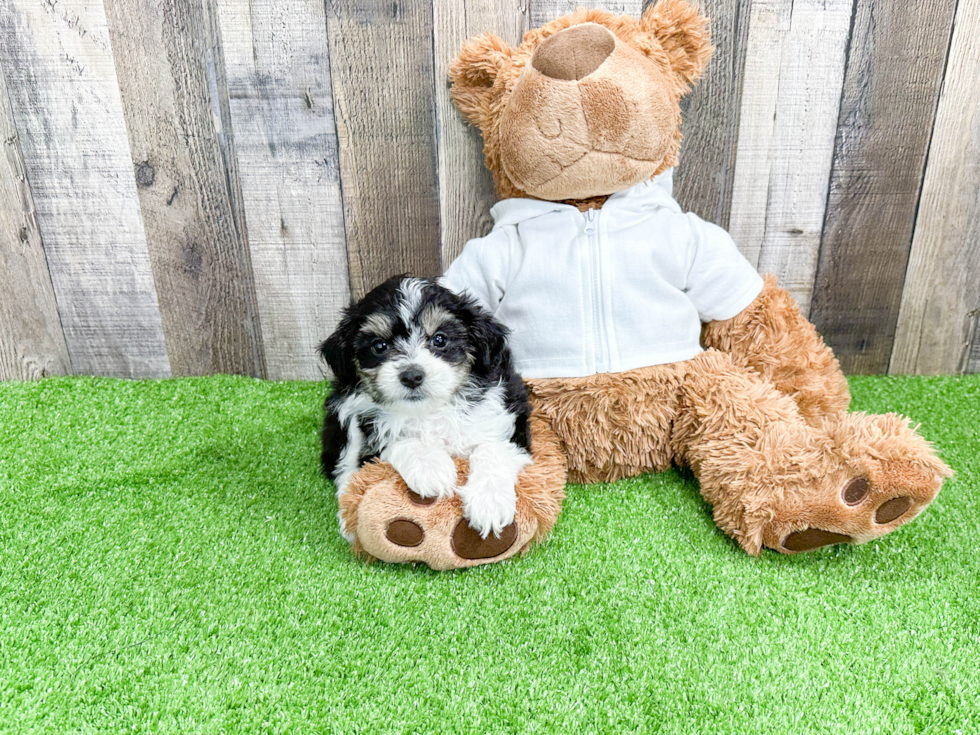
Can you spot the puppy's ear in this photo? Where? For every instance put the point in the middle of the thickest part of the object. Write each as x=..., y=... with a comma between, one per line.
x=490, y=339
x=681, y=29
x=473, y=74
x=336, y=350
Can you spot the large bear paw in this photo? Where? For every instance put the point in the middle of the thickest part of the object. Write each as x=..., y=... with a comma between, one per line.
x=394, y=524
x=886, y=476
x=385, y=520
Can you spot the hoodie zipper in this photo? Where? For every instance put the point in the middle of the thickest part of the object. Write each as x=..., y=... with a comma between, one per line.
x=591, y=226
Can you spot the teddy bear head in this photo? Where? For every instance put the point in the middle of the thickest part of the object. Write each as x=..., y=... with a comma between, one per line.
x=587, y=105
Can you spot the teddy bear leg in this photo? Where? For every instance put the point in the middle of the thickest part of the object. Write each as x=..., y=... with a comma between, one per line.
x=384, y=520
x=612, y=425
x=775, y=481
x=773, y=338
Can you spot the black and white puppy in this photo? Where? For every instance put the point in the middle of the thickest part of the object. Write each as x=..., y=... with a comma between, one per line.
x=422, y=375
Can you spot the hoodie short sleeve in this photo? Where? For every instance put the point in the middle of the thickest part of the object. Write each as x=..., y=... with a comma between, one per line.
x=481, y=269
x=721, y=282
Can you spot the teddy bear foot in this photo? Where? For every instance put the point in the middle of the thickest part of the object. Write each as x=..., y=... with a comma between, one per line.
x=465, y=542
x=384, y=520
x=876, y=511
x=390, y=523
x=890, y=476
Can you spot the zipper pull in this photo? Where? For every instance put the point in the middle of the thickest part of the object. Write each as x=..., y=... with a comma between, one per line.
x=590, y=222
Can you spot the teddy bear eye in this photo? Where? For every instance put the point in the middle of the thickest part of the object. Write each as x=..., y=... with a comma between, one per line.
x=379, y=347
x=439, y=340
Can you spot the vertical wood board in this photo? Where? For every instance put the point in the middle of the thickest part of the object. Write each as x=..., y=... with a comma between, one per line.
x=196, y=242
x=891, y=89
x=381, y=60
x=279, y=81
x=973, y=361
x=466, y=190
x=32, y=344
x=704, y=178
x=65, y=99
x=769, y=26
x=788, y=126
x=938, y=318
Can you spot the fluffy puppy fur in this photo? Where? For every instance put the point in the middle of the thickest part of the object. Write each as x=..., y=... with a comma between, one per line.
x=422, y=375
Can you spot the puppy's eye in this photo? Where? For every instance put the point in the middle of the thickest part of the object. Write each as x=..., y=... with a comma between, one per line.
x=439, y=340
x=379, y=347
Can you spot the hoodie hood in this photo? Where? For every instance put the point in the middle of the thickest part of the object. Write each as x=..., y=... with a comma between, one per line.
x=657, y=192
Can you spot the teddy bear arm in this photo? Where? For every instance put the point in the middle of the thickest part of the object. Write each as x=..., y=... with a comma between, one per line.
x=773, y=338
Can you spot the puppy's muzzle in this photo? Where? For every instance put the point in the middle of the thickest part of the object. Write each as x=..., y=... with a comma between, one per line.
x=412, y=377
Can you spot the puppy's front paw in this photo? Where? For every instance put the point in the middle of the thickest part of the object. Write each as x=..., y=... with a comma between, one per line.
x=428, y=471
x=488, y=508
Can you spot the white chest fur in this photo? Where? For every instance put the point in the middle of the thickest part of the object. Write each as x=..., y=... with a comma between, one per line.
x=457, y=427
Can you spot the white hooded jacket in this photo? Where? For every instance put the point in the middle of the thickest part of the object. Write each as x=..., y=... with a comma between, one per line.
x=613, y=289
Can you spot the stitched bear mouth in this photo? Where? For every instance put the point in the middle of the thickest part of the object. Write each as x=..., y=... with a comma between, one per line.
x=594, y=173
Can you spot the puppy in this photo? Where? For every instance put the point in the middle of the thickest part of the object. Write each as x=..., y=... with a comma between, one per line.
x=422, y=375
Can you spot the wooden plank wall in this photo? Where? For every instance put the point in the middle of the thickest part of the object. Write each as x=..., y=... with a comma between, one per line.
x=199, y=186
x=938, y=329
x=65, y=99
x=32, y=343
x=193, y=229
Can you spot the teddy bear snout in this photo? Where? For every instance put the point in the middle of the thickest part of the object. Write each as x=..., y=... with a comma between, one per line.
x=574, y=53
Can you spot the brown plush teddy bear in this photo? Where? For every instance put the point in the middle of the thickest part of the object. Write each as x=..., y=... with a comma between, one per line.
x=646, y=339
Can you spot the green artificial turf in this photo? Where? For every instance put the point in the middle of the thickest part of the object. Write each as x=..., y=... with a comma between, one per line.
x=169, y=561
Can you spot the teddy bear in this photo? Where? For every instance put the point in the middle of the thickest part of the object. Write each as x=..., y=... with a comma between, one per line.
x=644, y=336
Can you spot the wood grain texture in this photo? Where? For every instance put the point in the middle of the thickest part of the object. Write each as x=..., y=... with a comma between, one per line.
x=32, y=344
x=706, y=173
x=194, y=234
x=891, y=89
x=284, y=138
x=941, y=299
x=769, y=26
x=973, y=360
x=466, y=190
x=381, y=59
x=794, y=71
x=543, y=11
x=65, y=99
x=251, y=138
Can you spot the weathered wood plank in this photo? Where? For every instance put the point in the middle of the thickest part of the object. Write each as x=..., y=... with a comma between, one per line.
x=279, y=81
x=543, y=11
x=466, y=190
x=769, y=26
x=32, y=344
x=703, y=180
x=941, y=299
x=973, y=361
x=794, y=71
x=381, y=59
x=65, y=99
x=196, y=242
x=891, y=89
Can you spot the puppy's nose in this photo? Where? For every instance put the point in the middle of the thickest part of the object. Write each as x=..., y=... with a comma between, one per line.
x=411, y=377
x=574, y=53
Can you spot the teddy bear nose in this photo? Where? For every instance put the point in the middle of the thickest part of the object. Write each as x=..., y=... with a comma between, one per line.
x=574, y=53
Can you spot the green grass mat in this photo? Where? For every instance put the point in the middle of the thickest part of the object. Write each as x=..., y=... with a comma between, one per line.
x=169, y=561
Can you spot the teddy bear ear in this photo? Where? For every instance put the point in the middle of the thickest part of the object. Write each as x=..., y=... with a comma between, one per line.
x=473, y=74
x=682, y=31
